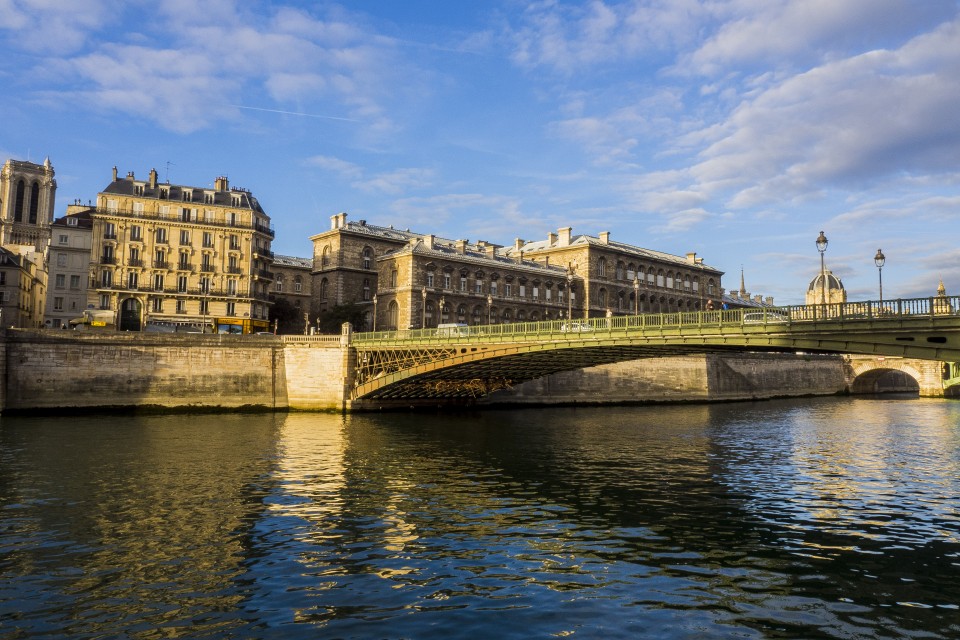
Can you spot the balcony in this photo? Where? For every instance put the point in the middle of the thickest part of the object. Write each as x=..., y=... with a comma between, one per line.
x=183, y=266
x=108, y=260
x=134, y=262
x=161, y=264
x=263, y=274
x=235, y=270
x=263, y=253
x=110, y=236
x=207, y=268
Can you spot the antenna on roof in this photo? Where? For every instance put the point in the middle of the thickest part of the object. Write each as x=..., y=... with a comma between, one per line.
x=167, y=177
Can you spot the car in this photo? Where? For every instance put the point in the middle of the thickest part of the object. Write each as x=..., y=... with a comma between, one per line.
x=765, y=317
x=575, y=327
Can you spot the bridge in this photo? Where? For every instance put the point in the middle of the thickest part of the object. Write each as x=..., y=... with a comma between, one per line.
x=469, y=362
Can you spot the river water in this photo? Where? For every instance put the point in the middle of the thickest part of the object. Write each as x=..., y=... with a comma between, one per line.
x=827, y=518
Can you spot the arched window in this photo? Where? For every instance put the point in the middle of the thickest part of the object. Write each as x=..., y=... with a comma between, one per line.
x=298, y=284
x=660, y=279
x=325, y=257
x=323, y=289
x=461, y=313
x=367, y=258
x=34, y=202
x=507, y=316
x=393, y=278
x=534, y=316
x=279, y=282
x=619, y=271
x=18, y=203
x=620, y=301
x=393, y=314
x=669, y=283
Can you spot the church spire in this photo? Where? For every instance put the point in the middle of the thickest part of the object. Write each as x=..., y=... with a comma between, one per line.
x=743, y=287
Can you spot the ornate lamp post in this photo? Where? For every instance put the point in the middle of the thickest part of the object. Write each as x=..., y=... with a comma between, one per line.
x=636, y=295
x=374, y=312
x=489, y=308
x=423, y=309
x=442, y=302
x=878, y=260
x=569, y=292
x=822, y=247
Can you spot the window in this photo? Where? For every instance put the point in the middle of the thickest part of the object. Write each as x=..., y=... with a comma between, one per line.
x=104, y=301
x=58, y=304
x=184, y=260
x=536, y=292
x=602, y=267
x=493, y=287
x=323, y=289
x=181, y=306
x=429, y=278
x=181, y=284
x=161, y=235
x=478, y=286
x=74, y=282
x=158, y=281
x=110, y=231
x=234, y=242
x=463, y=283
x=205, y=285
x=446, y=281
x=232, y=286
x=325, y=257
x=61, y=281
x=366, y=288
x=184, y=237
x=231, y=308
x=367, y=257
x=523, y=291
x=64, y=239
x=298, y=284
x=508, y=289
x=204, y=307
x=185, y=213
x=133, y=279
x=136, y=233
x=393, y=278
x=602, y=297
x=138, y=206
x=106, y=278
x=279, y=283
x=157, y=305
x=61, y=259
x=207, y=239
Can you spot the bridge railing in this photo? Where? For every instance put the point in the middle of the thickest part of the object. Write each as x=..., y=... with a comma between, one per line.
x=578, y=329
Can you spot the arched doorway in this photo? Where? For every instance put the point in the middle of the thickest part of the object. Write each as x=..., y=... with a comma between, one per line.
x=130, y=313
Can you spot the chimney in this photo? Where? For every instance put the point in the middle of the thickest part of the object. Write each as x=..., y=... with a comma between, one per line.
x=769, y=300
x=758, y=299
x=520, y=257
x=604, y=237
x=461, y=246
x=551, y=239
x=153, y=178
x=518, y=244
x=428, y=241
x=114, y=173
x=338, y=221
x=221, y=184
x=564, y=235
x=692, y=257
x=491, y=251
x=130, y=176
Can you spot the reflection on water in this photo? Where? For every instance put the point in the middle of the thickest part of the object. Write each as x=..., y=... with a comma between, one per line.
x=828, y=518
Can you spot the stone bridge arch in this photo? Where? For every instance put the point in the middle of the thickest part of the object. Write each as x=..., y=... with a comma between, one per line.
x=876, y=374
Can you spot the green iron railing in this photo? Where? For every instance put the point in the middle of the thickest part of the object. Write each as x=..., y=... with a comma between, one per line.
x=768, y=317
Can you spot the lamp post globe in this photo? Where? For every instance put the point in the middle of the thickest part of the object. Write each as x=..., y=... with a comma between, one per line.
x=879, y=260
x=822, y=248
x=636, y=295
x=570, y=293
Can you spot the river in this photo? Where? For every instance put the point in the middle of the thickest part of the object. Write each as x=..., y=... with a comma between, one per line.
x=814, y=518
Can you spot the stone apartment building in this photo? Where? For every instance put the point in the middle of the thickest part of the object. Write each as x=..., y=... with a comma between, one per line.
x=68, y=266
x=22, y=287
x=166, y=256
x=292, y=282
x=401, y=277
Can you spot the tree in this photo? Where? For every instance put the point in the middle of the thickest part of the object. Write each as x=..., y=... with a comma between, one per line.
x=331, y=320
x=289, y=318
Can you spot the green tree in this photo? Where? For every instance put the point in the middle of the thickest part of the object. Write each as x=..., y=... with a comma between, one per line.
x=289, y=318
x=332, y=319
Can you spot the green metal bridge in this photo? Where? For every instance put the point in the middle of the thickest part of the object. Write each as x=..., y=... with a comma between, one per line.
x=469, y=362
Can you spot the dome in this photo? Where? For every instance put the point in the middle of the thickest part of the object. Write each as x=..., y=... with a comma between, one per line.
x=833, y=282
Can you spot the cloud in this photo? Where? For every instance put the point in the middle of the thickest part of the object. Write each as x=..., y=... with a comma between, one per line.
x=397, y=182
x=342, y=168
x=52, y=26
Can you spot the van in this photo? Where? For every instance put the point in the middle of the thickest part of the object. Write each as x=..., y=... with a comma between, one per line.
x=453, y=329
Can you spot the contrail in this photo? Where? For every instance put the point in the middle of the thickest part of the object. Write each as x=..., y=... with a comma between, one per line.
x=293, y=113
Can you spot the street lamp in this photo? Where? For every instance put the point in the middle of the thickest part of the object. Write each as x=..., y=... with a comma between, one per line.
x=636, y=295
x=423, y=310
x=489, y=308
x=374, y=312
x=822, y=247
x=442, y=301
x=878, y=260
x=569, y=292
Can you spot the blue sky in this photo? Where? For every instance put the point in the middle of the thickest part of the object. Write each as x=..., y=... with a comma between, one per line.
x=734, y=129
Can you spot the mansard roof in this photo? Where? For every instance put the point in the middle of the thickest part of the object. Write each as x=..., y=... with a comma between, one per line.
x=174, y=193
x=292, y=261
x=475, y=255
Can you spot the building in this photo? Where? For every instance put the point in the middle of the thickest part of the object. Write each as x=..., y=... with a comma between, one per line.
x=167, y=257
x=68, y=260
x=826, y=288
x=292, y=283
x=22, y=287
x=27, y=196
x=742, y=299
x=619, y=278
x=401, y=276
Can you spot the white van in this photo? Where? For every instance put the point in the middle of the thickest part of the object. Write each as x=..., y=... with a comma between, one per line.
x=453, y=329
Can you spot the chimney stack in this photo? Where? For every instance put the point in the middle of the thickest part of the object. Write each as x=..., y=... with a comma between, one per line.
x=551, y=239
x=692, y=257
x=153, y=178
x=461, y=246
x=564, y=235
x=604, y=237
x=518, y=244
x=114, y=173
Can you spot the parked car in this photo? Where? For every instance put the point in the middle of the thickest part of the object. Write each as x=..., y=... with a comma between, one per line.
x=575, y=327
x=453, y=329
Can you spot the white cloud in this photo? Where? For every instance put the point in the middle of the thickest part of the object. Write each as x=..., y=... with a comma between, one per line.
x=52, y=26
x=335, y=165
x=397, y=182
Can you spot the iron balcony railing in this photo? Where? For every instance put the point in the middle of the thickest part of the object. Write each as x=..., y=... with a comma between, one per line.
x=766, y=317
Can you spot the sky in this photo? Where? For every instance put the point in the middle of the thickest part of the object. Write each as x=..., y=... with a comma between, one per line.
x=734, y=129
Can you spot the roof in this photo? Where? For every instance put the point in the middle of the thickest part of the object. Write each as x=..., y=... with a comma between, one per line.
x=474, y=254
x=174, y=193
x=833, y=282
x=622, y=247
x=292, y=261
x=83, y=220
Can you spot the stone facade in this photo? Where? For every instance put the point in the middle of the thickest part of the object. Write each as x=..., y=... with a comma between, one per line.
x=293, y=283
x=354, y=262
x=165, y=255
x=23, y=286
x=27, y=197
x=68, y=262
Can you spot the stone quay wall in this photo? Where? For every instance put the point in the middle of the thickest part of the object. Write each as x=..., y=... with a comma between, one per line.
x=696, y=378
x=65, y=370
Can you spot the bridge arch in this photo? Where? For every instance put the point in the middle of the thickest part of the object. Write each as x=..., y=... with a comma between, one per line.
x=873, y=374
x=885, y=380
